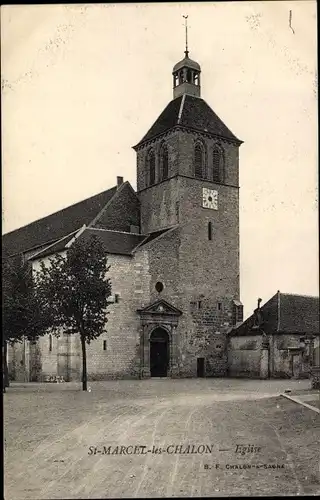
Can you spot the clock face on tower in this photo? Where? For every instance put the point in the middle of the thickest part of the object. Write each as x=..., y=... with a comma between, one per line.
x=210, y=198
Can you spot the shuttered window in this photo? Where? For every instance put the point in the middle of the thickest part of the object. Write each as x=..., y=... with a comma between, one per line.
x=152, y=168
x=198, y=161
x=218, y=165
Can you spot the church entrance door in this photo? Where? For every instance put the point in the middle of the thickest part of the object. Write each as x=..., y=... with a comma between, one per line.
x=159, y=353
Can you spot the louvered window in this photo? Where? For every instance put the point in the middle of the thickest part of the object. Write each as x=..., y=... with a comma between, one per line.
x=198, y=161
x=218, y=165
x=152, y=168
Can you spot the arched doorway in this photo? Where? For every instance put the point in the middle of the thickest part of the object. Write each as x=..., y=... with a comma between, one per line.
x=159, y=353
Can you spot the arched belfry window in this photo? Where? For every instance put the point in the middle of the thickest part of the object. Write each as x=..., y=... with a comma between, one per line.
x=218, y=165
x=164, y=162
x=199, y=161
x=151, y=166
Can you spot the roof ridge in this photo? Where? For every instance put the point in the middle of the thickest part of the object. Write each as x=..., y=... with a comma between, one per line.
x=181, y=108
x=76, y=236
x=49, y=243
x=106, y=206
x=300, y=295
x=54, y=243
x=111, y=230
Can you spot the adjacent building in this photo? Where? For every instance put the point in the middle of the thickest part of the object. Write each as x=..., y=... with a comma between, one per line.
x=280, y=339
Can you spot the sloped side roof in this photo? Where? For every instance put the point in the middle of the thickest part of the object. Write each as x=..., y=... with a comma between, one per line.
x=56, y=225
x=114, y=242
x=270, y=318
x=285, y=313
x=167, y=120
x=299, y=314
x=195, y=114
x=154, y=235
x=121, y=212
x=52, y=248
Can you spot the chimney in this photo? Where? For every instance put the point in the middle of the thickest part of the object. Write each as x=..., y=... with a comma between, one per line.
x=119, y=181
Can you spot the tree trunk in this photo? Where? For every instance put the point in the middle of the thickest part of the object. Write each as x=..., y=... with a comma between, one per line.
x=84, y=362
x=5, y=365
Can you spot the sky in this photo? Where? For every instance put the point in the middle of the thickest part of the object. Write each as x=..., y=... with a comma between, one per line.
x=82, y=84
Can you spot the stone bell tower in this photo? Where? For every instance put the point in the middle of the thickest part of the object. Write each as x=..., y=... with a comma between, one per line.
x=188, y=179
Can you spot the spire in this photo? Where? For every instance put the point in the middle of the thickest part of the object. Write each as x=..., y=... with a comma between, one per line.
x=186, y=27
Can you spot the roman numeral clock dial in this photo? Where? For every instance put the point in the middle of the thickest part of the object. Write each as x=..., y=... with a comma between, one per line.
x=210, y=198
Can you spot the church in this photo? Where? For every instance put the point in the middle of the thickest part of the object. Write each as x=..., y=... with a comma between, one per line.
x=173, y=252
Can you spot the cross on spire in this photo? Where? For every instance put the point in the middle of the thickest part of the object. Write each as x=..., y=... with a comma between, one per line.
x=186, y=27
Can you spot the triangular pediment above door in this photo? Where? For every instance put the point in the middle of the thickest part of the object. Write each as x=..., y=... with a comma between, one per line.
x=160, y=307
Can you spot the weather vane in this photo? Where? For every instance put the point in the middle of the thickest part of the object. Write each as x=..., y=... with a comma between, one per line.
x=186, y=27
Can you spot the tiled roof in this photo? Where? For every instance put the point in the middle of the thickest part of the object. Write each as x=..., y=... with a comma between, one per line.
x=164, y=122
x=114, y=242
x=154, y=235
x=285, y=313
x=195, y=114
x=55, y=226
x=299, y=313
x=53, y=248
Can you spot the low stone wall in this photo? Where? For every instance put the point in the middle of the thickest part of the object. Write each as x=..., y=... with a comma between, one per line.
x=244, y=356
x=315, y=377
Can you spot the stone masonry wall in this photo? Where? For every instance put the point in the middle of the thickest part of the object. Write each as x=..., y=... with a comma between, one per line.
x=202, y=334
x=130, y=279
x=171, y=141
x=17, y=368
x=244, y=355
x=160, y=206
x=281, y=358
x=208, y=269
x=206, y=316
x=161, y=203
x=187, y=141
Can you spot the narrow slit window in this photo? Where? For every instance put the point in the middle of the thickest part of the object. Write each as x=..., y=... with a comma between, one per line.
x=209, y=230
x=237, y=316
x=116, y=298
x=50, y=343
x=104, y=345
